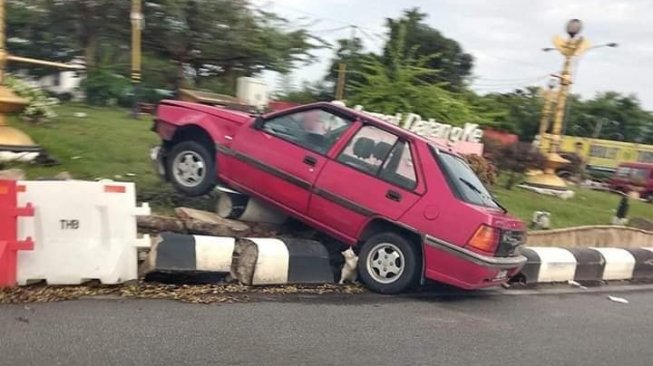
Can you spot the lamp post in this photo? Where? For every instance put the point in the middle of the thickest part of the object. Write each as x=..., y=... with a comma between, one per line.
x=570, y=47
x=136, y=17
x=13, y=140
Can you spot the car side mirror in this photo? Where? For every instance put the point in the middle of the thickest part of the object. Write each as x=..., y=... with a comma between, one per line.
x=258, y=123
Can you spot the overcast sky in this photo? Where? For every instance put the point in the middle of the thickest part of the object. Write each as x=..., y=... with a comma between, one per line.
x=505, y=37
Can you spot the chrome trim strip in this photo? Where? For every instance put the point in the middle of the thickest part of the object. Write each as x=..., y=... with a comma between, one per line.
x=492, y=262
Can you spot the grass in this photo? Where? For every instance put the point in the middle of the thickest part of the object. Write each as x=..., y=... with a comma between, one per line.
x=108, y=143
x=588, y=207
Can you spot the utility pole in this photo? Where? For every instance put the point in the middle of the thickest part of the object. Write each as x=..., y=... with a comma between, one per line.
x=342, y=68
x=136, y=17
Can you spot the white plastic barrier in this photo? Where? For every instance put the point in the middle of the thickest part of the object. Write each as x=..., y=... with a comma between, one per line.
x=81, y=231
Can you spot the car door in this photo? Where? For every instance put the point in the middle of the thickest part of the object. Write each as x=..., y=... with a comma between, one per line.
x=281, y=157
x=373, y=176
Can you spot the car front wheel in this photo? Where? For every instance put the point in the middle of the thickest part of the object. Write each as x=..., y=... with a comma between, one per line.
x=388, y=263
x=191, y=168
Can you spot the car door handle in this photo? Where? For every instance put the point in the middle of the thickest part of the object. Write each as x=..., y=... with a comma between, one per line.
x=310, y=160
x=393, y=195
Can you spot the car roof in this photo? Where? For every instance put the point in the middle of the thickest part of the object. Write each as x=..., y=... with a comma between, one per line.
x=636, y=165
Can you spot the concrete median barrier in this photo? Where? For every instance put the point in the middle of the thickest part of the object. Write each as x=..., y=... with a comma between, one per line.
x=267, y=261
x=551, y=264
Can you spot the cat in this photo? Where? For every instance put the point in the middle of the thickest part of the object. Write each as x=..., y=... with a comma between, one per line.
x=349, y=272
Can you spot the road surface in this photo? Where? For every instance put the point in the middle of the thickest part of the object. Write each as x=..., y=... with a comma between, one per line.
x=530, y=329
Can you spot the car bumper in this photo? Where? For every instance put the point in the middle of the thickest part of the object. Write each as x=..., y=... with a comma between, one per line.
x=452, y=264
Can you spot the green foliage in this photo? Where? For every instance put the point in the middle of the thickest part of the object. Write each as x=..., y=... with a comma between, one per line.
x=224, y=38
x=308, y=93
x=421, y=40
x=397, y=86
x=40, y=106
x=515, y=159
x=611, y=116
x=104, y=88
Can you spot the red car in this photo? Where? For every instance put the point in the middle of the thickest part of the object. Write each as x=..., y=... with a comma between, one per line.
x=412, y=209
x=636, y=177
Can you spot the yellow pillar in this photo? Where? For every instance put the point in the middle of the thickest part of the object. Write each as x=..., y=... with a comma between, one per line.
x=137, y=22
x=546, y=115
x=569, y=48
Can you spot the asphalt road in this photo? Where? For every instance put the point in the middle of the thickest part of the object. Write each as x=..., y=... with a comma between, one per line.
x=569, y=329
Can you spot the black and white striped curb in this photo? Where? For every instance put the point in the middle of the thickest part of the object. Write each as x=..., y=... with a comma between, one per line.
x=553, y=264
x=252, y=261
x=268, y=261
x=179, y=252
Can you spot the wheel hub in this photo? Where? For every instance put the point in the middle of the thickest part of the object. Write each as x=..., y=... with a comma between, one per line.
x=189, y=168
x=385, y=263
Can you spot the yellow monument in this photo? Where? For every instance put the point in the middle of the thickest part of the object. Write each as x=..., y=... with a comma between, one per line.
x=12, y=139
x=570, y=47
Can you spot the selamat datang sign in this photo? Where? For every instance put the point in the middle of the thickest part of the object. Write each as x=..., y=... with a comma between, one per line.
x=464, y=140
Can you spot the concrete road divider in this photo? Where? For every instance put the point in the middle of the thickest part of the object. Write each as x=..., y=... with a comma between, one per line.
x=190, y=254
x=550, y=264
x=266, y=261
x=82, y=231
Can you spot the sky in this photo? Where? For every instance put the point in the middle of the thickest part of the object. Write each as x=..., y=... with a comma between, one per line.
x=505, y=37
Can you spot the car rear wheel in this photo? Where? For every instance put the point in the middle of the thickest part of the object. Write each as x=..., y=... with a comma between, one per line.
x=191, y=168
x=388, y=263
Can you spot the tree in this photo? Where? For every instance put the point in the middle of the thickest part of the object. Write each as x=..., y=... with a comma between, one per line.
x=224, y=38
x=445, y=54
x=351, y=53
x=397, y=86
x=517, y=112
x=610, y=115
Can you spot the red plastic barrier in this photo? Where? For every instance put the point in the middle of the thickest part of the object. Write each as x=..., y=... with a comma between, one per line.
x=9, y=244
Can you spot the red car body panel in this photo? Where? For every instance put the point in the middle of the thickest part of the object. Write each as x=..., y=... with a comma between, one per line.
x=340, y=200
x=638, y=178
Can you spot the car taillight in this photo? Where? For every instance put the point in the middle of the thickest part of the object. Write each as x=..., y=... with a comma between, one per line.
x=485, y=238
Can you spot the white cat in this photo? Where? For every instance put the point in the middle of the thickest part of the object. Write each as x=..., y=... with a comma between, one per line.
x=349, y=272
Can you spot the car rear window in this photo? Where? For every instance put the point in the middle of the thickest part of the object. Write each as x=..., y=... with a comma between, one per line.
x=462, y=179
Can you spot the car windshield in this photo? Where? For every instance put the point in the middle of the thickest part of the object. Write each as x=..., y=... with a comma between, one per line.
x=463, y=180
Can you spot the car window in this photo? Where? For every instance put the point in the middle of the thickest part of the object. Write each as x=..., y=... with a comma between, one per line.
x=315, y=129
x=368, y=149
x=639, y=175
x=623, y=172
x=399, y=168
x=463, y=180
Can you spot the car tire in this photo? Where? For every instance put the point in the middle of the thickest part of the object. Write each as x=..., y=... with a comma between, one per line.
x=191, y=168
x=389, y=263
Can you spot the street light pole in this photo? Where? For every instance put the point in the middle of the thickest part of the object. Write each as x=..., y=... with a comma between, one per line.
x=571, y=47
x=136, y=17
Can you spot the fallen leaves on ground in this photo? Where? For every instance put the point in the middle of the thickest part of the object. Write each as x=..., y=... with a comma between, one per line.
x=196, y=294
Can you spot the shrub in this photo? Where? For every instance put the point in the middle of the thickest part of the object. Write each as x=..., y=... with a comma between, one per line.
x=484, y=169
x=104, y=88
x=39, y=107
x=516, y=159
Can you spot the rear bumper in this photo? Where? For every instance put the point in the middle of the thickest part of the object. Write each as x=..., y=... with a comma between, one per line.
x=460, y=267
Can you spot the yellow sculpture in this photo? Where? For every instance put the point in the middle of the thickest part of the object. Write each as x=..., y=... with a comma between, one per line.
x=571, y=47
